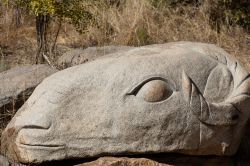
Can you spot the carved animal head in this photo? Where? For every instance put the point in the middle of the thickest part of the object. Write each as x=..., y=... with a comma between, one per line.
x=183, y=97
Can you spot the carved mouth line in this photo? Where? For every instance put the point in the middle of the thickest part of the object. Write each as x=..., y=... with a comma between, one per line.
x=42, y=146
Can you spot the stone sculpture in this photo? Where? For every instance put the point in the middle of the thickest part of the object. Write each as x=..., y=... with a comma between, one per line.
x=183, y=97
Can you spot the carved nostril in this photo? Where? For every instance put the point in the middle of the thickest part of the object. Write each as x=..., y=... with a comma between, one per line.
x=235, y=117
x=235, y=114
x=41, y=124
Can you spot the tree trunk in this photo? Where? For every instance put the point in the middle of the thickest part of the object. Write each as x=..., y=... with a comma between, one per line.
x=57, y=33
x=42, y=22
x=17, y=17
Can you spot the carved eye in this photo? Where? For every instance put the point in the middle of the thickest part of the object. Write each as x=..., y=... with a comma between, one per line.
x=153, y=91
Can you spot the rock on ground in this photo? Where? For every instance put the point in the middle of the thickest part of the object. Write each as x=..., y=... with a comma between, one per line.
x=123, y=161
x=173, y=161
x=18, y=83
x=79, y=56
x=147, y=160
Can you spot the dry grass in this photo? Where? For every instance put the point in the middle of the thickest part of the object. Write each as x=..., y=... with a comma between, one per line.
x=139, y=23
x=17, y=44
x=6, y=114
x=133, y=23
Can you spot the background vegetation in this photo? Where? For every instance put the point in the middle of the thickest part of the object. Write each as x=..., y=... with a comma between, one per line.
x=31, y=27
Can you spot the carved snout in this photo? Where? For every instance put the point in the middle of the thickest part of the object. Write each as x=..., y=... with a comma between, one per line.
x=208, y=113
x=24, y=123
x=38, y=121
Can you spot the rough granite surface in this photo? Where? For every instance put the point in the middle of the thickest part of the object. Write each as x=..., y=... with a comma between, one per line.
x=189, y=98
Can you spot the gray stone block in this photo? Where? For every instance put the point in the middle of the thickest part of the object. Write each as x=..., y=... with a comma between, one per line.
x=189, y=98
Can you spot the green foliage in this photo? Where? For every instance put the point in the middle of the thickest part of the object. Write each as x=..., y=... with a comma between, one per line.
x=3, y=2
x=76, y=11
x=40, y=7
x=43, y=7
x=237, y=12
x=231, y=12
x=37, y=7
x=142, y=36
x=73, y=10
x=3, y=64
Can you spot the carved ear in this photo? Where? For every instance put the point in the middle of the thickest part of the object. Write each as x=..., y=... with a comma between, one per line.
x=208, y=113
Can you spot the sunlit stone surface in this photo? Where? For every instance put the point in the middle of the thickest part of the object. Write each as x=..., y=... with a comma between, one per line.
x=184, y=97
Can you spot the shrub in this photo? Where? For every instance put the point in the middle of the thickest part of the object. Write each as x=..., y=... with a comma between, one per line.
x=231, y=12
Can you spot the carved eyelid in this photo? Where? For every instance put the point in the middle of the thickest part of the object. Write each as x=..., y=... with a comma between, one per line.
x=137, y=87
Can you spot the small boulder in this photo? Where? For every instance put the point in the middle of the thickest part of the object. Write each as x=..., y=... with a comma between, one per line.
x=79, y=56
x=18, y=83
x=124, y=161
x=162, y=161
